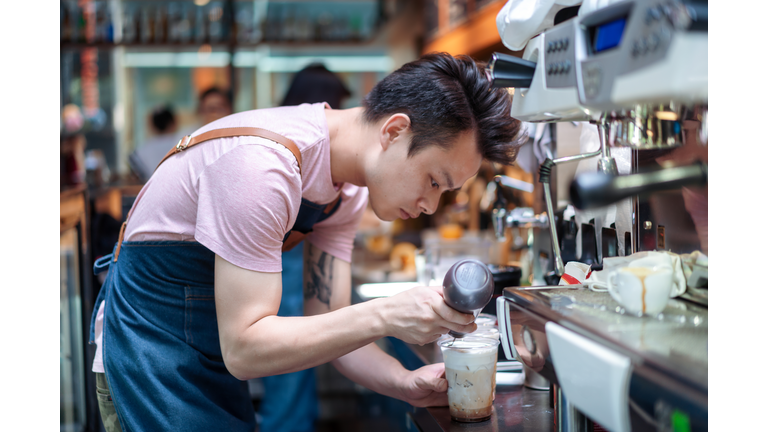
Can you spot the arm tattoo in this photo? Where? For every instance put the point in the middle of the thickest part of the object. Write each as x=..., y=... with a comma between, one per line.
x=318, y=274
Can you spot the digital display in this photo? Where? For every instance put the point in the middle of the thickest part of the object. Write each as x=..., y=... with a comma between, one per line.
x=608, y=35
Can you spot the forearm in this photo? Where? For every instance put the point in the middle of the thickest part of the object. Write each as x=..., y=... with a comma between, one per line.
x=276, y=345
x=374, y=369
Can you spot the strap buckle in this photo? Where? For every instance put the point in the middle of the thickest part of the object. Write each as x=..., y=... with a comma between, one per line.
x=183, y=143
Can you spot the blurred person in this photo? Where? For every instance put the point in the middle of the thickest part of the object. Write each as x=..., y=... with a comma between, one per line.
x=72, y=146
x=213, y=104
x=315, y=84
x=290, y=401
x=188, y=311
x=145, y=159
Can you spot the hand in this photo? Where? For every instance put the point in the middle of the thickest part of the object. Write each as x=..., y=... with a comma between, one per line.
x=426, y=386
x=420, y=315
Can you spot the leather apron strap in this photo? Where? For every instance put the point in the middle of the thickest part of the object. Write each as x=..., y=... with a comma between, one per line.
x=187, y=142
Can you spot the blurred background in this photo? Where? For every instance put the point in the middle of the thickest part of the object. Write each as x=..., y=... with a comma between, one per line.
x=121, y=59
x=135, y=76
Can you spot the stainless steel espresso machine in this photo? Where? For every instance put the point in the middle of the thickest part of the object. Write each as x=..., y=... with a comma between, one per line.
x=638, y=71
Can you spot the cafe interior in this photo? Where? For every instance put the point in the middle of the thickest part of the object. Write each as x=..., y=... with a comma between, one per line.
x=585, y=262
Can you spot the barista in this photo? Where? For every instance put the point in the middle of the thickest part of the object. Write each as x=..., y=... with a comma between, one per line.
x=188, y=309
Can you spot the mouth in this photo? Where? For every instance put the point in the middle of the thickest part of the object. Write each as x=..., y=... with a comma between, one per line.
x=404, y=215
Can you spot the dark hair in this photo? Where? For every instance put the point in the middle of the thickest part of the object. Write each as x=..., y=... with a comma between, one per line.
x=163, y=118
x=315, y=84
x=444, y=96
x=218, y=91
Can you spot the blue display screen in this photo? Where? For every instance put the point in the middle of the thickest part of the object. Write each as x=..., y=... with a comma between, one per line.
x=608, y=35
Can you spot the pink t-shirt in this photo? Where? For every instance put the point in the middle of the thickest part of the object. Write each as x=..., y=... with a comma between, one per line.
x=240, y=196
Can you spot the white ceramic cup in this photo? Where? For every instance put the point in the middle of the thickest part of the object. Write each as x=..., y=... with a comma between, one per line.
x=641, y=290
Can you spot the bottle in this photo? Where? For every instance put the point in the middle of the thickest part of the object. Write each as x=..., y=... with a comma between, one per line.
x=243, y=17
x=129, y=25
x=109, y=29
x=200, y=25
x=66, y=23
x=146, y=27
x=185, y=25
x=161, y=25
x=80, y=33
x=215, y=24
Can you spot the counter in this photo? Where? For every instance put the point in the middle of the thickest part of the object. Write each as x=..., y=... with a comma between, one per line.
x=515, y=406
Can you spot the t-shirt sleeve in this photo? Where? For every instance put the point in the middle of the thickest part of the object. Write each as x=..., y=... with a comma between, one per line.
x=336, y=235
x=247, y=202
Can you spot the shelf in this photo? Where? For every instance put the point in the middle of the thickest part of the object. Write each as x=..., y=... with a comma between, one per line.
x=220, y=46
x=477, y=34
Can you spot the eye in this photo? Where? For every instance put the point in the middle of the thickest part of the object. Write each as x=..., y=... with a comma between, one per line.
x=434, y=183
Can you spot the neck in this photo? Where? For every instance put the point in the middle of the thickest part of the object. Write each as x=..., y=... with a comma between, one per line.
x=348, y=134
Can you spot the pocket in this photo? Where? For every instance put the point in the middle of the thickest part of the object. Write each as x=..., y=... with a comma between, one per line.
x=106, y=405
x=201, y=329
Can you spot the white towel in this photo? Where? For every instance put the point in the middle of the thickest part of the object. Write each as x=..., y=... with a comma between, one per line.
x=598, y=280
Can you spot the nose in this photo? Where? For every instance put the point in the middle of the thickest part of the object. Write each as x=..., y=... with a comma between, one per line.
x=428, y=203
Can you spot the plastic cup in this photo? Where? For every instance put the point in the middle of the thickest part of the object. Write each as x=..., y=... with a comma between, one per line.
x=470, y=368
x=485, y=319
x=486, y=331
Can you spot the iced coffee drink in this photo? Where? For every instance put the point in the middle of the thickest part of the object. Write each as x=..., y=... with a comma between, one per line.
x=470, y=368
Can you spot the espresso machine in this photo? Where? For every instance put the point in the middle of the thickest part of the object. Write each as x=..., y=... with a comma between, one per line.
x=637, y=69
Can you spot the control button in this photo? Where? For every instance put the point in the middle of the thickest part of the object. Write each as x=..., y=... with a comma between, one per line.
x=559, y=45
x=549, y=69
x=593, y=78
x=653, y=14
x=642, y=46
x=567, y=66
x=529, y=341
x=550, y=46
x=653, y=42
x=565, y=43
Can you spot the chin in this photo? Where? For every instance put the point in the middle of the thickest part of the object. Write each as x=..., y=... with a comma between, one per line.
x=379, y=214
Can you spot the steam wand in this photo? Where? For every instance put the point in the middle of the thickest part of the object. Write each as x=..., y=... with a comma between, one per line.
x=606, y=165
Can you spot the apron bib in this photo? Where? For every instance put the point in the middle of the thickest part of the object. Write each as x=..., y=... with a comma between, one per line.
x=160, y=338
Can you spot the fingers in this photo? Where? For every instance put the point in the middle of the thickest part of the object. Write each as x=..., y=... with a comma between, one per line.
x=452, y=315
x=435, y=384
x=429, y=386
x=469, y=328
x=437, y=289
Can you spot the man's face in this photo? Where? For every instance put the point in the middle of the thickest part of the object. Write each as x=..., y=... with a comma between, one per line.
x=214, y=107
x=403, y=187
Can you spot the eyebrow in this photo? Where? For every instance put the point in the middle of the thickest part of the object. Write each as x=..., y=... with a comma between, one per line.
x=449, y=182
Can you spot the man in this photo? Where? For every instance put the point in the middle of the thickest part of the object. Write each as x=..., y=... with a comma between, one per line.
x=213, y=104
x=144, y=160
x=190, y=301
x=289, y=402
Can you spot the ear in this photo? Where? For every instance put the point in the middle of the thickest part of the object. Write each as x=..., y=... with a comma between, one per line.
x=394, y=128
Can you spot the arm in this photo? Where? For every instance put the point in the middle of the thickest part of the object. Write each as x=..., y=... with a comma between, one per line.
x=327, y=286
x=423, y=387
x=255, y=342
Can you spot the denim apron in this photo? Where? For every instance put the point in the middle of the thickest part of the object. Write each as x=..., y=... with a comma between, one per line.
x=160, y=338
